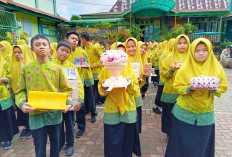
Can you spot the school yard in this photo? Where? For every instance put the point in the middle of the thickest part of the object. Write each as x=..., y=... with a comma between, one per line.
x=153, y=141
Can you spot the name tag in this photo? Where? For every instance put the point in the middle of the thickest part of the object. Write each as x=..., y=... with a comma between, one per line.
x=71, y=73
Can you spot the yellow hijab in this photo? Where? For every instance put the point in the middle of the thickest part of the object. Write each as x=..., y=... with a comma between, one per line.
x=167, y=51
x=31, y=55
x=21, y=42
x=54, y=48
x=8, y=50
x=158, y=49
x=120, y=95
x=136, y=58
x=115, y=45
x=192, y=68
x=16, y=67
x=175, y=55
x=144, y=56
x=2, y=62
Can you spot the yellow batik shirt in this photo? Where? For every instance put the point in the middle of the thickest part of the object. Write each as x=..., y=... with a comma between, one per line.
x=47, y=77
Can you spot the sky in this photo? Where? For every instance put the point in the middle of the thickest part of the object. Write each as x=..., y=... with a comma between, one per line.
x=67, y=8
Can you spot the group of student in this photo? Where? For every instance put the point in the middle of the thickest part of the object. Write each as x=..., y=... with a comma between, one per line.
x=187, y=112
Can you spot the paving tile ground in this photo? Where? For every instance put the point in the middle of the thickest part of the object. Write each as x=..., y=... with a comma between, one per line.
x=153, y=141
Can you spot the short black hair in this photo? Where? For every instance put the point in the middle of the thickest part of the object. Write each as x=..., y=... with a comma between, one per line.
x=70, y=33
x=86, y=36
x=64, y=43
x=37, y=37
x=229, y=46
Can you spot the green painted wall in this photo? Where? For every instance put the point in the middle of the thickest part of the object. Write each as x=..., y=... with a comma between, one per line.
x=46, y=6
x=34, y=23
x=30, y=3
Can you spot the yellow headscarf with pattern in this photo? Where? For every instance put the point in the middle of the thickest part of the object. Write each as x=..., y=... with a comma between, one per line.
x=192, y=68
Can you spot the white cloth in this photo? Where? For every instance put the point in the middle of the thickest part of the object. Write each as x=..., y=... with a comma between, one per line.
x=225, y=54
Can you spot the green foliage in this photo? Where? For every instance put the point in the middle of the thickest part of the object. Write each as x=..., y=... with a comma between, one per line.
x=123, y=34
x=225, y=44
x=186, y=28
x=164, y=35
x=189, y=28
x=75, y=17
x=137, y=32
x=104, y=25
x=110, y=35
x=177, y=30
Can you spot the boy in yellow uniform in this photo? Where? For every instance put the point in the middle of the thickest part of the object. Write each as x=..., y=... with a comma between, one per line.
x=43, y=75
x=94, y=56
x=87, y=77
x=63, y=52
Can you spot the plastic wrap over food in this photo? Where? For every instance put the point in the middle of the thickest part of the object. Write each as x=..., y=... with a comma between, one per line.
x=205, y=82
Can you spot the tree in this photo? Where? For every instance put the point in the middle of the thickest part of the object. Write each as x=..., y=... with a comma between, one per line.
x=75, y=17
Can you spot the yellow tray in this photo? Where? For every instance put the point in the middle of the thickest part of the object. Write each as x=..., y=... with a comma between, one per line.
x=47, y=100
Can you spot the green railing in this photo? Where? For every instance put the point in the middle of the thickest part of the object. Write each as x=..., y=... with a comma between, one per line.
x=7, y=24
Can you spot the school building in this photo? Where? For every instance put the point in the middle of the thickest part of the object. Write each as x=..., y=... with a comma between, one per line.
x=32, y=16
x=212, y=17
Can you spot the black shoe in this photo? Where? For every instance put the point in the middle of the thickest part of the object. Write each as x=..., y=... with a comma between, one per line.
x=69, y=150
x=156, y=110
x=28, y=133
x=22, y=135
x=7, y=145
x=93, y=119
x=80, y=133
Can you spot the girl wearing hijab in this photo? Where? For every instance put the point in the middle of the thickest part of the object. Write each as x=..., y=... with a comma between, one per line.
x=193, y=130
x=19, y=59
x=121, y=136
x=167, y=50
x=154, y=60
x=21, y=42
x=135, y=57
x=143, y=47
x=7, y=113
x=6, y=50
x=31, y=55
x=179, y=54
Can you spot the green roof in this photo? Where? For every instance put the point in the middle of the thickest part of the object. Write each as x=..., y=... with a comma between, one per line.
x=95, y=21
x=162, y=5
